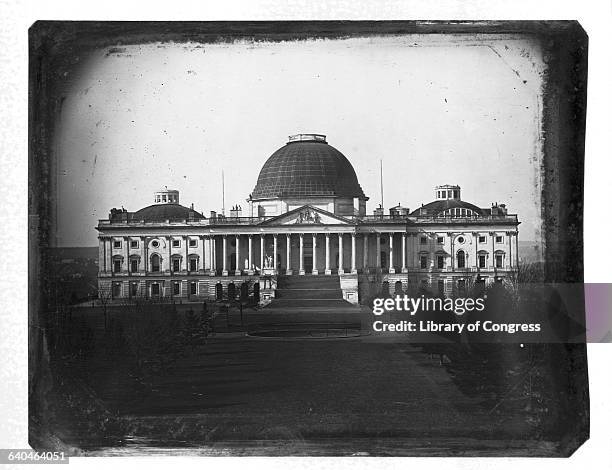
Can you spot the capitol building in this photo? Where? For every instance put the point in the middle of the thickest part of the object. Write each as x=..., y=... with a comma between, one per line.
x=306, y=217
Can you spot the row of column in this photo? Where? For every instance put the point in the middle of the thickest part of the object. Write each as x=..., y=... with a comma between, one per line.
x=207, y=252
x=273, y=266
x=106, y=253
x=315, y=268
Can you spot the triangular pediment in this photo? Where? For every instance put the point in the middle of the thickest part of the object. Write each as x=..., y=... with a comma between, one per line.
x=307, y=215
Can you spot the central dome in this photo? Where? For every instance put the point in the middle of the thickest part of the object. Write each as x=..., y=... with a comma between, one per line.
x=307, y=166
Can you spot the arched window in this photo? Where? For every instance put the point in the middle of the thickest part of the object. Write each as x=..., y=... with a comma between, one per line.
x=155, y=263
x=219, y=291
x=398, y=288
x=385, y=289
x=460, y=259
x=231, y=291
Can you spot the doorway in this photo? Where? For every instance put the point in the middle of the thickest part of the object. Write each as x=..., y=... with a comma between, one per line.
x=308, y=263
x=155, y=290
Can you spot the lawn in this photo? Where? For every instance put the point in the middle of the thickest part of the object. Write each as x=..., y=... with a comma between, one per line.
x=166, y=384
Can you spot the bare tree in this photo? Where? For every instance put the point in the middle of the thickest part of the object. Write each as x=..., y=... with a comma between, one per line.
x=105, y=297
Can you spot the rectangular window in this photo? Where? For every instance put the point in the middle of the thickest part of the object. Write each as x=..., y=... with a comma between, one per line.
x=116, y=292
x=440, y=240
x=176, y=243
x=424, y=262
x=461, y=285
x=482, y=261
x=440, y=262
x=193, y=289
x=443, y=194
x=117, y=266
x=134, y=265
x=499, y=239
x=193, y=265
x=441, y=286
x=176, y=288
x=482, y=239
x=499, y=261
x=423, y=240
x=134, y=244
x=176, y=264
x=117, y=244
x=193, y=243
x=133, y=289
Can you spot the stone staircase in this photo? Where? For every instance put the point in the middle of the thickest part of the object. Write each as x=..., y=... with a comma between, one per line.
x=309, y=291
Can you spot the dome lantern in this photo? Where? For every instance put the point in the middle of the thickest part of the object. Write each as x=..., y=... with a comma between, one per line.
x=166, y=196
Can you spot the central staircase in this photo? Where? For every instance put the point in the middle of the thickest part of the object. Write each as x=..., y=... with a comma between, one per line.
x=309, y=291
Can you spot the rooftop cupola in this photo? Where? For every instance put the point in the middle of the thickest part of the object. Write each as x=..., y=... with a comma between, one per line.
x=166, y=196
x=448, y=191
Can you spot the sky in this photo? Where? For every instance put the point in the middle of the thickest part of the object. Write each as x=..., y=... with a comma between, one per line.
x=436, y=109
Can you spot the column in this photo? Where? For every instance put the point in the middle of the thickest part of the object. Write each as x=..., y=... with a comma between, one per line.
x=353, y=254
x=452, y=250
x=301, y=272
x=516, y=250
x=145, y=254
x=391, y=266
x=214, y=254
x=508, y=260
x=126, y=250
x=211, y=251
x=262, y=242
x=415, y=250
x=238, y=271
x=275, y=265
x=208, y=250
x=168, y=261
x=202, y=253
x=378, y=264
x=327, y=268
x=340, y=254
x=365, y=252
x=101, y=257
x=250, y=270
x=404, y=268
x=315, y=271
x=108, y=255
x=186, y=261
x=289, y=270
x=492, y=253
x=475, y=238
x=224, y=272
